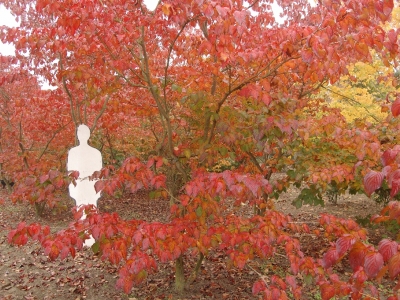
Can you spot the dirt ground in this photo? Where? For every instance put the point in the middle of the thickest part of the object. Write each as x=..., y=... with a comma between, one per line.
x=25, y=273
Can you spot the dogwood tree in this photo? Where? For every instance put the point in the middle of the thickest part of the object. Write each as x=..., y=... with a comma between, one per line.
x=198, y=82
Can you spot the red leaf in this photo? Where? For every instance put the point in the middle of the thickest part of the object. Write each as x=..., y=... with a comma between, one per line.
x=357, y=255
x=266, y=98
x=277, y=294
x=21, y=226
x=389, y=157
x=373, y=263
x=11, y=235
x=240, y=17
x=374, y=290
x=392, y=35
x=161, y=234
x=96, y=232
x=184, y=200
x=137, y=237
x=362, y=48
x=222, y=11
x=327, y=291
x=159, y=163
x=307, y=55
x=277, y=280
x=396, y=107
x=372, y=182
x=53, y=174
x=99, y=185
x=330, y=258
x=64, y=253
x=125, y=282
x=395, y=188
x=291, y=280
x=394, y=265
x=386, y=170
x=43, y=178
x=41, y=4
x=250, y=90
x=344, y=243
x=72, y=251
x=387, y=7
x=145, y=244
x=387, y=248
x=30, y=181
x=150, y=163
x=54, y=252
x=46, y=230
x=20, y=239
x=34, y=230
x=258, y=286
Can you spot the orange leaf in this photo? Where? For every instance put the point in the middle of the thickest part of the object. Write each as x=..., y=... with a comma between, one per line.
x=327, y=291
x=394, y=265
x=357, y=255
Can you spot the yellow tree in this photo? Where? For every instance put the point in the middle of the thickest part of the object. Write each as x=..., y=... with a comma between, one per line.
x=362, y=93
x=365, y=92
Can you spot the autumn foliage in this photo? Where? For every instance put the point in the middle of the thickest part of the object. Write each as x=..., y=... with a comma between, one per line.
x=171, y=93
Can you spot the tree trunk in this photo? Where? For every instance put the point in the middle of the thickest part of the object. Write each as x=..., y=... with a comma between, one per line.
x=179, y=275
x=196, y=270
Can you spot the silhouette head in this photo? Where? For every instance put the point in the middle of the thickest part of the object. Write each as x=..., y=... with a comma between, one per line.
x=83, y=133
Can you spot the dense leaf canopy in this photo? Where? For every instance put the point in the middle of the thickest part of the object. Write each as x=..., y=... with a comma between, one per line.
x=172, y=93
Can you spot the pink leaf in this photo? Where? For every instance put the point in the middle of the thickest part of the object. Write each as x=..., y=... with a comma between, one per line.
x=372, y=182
x=99, y=186
x=387, y=248
x=330, y=258
x=258, y=287
x=344, y=243
x=389, y=156
x=373, y=264
x=307, y=55
x=392, y=35
x=291, y=280
x=395, y=188
x=266, y=98
x=159, y=162
x=240, y=16
x=222, y=11
x=43, y=178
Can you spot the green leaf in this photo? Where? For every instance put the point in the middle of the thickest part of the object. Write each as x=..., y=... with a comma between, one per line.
x=176, y=88
x=308, y=279
x=223, y=150
x=245, y=147
x=291, y=174
x=308, y=196
x=199, y=211
x=96, y=247
x=297, y=203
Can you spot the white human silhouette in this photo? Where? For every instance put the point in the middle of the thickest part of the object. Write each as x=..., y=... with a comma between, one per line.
x=86, y=160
